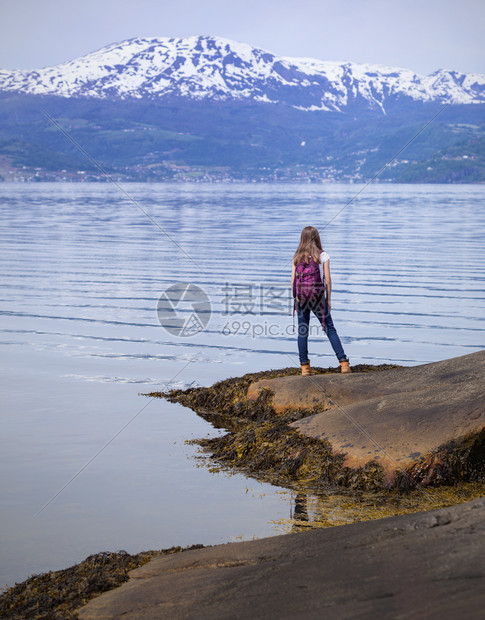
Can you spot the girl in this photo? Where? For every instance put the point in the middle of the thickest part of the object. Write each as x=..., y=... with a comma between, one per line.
x=310, y=253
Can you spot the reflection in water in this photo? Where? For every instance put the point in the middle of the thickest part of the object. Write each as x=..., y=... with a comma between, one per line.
x=320, y=511
x=300, y=513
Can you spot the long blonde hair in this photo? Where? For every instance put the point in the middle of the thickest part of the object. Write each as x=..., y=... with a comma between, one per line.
x=310, y=245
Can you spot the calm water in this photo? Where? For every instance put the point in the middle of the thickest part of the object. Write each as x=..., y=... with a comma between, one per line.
x=82, y=271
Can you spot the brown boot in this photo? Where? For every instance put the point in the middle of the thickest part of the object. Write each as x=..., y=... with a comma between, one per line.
x=306, y=370
x=345, y=366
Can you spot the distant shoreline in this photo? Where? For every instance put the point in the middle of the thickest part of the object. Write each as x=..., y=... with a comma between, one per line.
x=49, y=177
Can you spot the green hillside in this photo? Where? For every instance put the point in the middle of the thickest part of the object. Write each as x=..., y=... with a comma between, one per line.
x=181, y=140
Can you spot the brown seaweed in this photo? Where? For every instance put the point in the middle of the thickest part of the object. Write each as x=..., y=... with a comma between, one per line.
x=262, y=444
x=57, y=594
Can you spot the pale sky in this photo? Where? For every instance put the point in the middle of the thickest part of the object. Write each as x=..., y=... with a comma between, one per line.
x=422, y=35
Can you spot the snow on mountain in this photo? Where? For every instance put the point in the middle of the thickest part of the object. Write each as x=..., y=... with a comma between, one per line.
x=218, y=69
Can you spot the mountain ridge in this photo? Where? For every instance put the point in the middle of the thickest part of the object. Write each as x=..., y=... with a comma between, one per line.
x=209, y=109
x=217, y=69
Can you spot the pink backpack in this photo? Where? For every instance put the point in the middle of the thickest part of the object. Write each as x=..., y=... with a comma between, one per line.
x=308, y=287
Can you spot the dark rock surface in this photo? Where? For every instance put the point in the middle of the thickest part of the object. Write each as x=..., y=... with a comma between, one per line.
x=426, y=565
x=407, y=419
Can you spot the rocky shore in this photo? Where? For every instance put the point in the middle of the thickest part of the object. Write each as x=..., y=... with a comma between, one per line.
x=392, y=440
x=421, y=424
x=380, y=427
x=426, y=565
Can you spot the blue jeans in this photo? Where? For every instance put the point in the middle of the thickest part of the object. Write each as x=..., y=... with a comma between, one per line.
x=328, y=327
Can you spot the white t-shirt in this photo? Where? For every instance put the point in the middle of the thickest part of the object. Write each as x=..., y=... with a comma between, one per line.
x=324, y=257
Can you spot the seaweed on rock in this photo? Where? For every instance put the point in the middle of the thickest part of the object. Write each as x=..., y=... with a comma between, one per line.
x=225, y=402
x=453, y=462
x=57, y=594
x=276, y=453
x=261, y=443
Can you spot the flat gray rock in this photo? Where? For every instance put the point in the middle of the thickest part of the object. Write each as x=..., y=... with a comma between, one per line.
x=426, y=565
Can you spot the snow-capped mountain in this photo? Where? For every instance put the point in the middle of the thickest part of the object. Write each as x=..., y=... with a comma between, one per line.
x=218, y=69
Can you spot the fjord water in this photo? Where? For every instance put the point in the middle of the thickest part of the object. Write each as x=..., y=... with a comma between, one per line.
x=88, y=463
